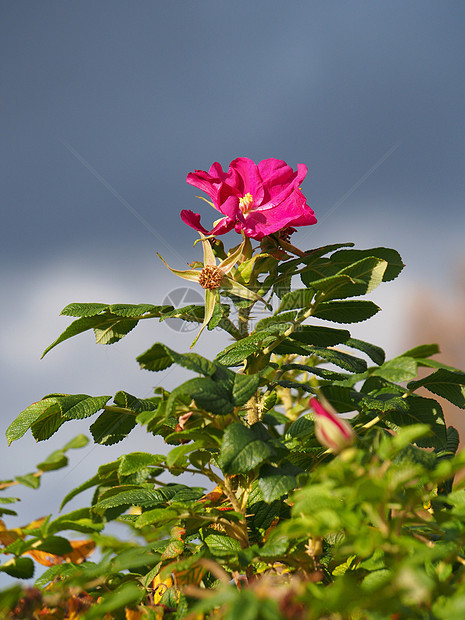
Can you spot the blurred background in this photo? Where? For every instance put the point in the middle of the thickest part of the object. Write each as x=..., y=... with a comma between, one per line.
x=107, y=106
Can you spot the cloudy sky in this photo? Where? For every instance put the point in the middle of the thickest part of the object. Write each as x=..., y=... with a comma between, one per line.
x=107, y=106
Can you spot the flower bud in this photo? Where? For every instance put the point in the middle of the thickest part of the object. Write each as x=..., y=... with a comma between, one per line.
x=332, y=431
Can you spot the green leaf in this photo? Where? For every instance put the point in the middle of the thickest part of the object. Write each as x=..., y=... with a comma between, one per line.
x=46, y=416
x=237, y=352
x=9, y=598
x=222, y=545
x=300, y=298
x=131, y=497
x=416, y=456
x=137, y=310
x=27, y=418
x=311, y=256
x=383, y=402
x=157, y=517
x=276, y=545
x=219, y=311
x=66, y=407
x=398, y=369
x=77, y=521
x=177, y=454
x=356, y=279
x=316, y=370
x=374, y=353
x=156, y=358
x=213, y=396
x=56, y=460
x=61, y=570
x=137, y=405
x=320, y=336
x=423, y=350
x=288, y=318
x=244, y=448
x=20, y=568
x=84, y=309
x=301, y=428
x=29, y=480
x=107, y=327
x=261, y=514
x=112, y=427
x=245, y=386
x=159, y=357
x=135, y=461
x=9, y=500
x=80, y=441
x=296, y=385
x=274, y=482
x=126, y=594
x=80, y=406
x=47, y=424
x=341, y=359
x=346, y=311
x=56, y=545
x=452, y=444
x=341, y=398
x=445, y=383
x=392, y=257
x=192, y=313
x=422, y=411
x=113, y=330
x=88, y=484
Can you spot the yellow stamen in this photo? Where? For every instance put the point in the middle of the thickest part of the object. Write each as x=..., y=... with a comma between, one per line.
x=246, y=203
x=210, y=277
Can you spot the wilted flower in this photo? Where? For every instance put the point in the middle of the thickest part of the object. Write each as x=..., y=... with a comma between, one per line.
x=256, y=199
x=332, y=431
x=212, y=277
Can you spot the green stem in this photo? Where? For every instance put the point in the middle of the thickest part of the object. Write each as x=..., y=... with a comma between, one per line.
x=243, y=323
x=291, y=329
x=119, y=410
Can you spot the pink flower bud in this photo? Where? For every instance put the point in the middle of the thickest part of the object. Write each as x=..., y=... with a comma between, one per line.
x=332, y=431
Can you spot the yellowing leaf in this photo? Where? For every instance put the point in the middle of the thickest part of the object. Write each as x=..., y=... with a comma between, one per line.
x=160, y=586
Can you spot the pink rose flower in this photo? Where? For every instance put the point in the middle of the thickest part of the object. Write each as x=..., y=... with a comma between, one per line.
x=257, y=199
x=332, y=431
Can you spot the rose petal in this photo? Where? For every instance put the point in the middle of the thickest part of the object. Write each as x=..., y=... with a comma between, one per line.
x=274, y=186
x=193, y=220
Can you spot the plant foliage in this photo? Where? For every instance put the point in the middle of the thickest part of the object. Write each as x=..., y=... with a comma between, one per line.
x=274, y=524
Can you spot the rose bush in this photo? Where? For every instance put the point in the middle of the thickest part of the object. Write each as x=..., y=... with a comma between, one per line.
x=256, y=199
x=292, y=513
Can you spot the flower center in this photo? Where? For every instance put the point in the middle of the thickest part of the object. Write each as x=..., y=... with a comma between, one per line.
x=246, y=203
x=210, y=277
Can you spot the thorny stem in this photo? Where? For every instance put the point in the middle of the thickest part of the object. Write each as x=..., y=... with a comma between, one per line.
x=290, y=330
x=243, y=536
x=372, y=422
x=286, y=399
x=291, y=248
x=226, y=483
x=213, y=477
x=113, y=409
x=243, y=322
x=254, y=410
